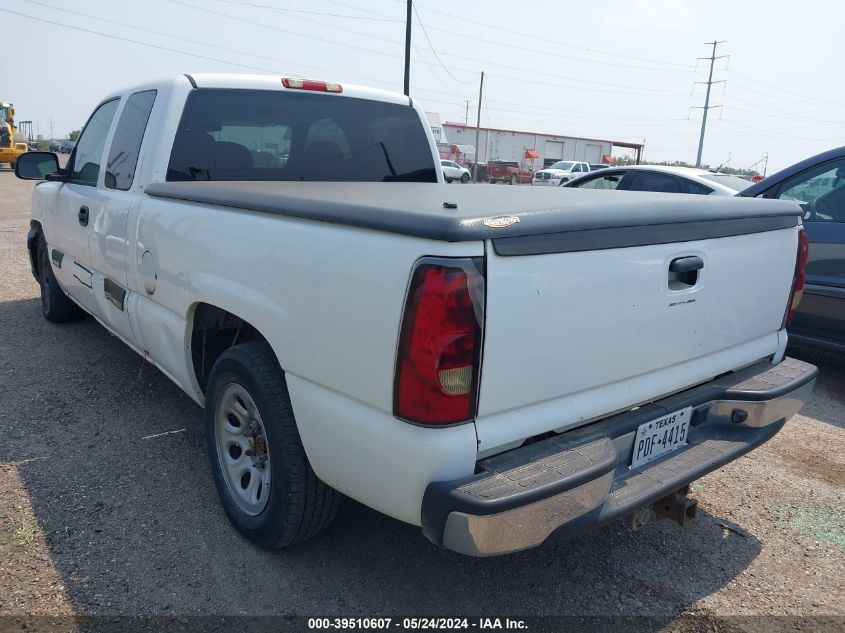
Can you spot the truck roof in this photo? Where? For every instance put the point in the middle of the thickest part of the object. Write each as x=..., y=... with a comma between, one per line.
x=242, y=81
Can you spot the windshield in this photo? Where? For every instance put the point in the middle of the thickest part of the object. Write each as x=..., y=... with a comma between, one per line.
x=229, y=134
x=728, y=180
x=561, y=164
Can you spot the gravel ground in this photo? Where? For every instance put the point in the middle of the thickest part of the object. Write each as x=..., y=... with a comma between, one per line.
x=100, y=514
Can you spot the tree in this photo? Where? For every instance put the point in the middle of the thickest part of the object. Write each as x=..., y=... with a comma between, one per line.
x=42, y=144
x=73, y=135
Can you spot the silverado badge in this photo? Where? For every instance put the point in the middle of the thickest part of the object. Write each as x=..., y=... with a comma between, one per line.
x=500, y=221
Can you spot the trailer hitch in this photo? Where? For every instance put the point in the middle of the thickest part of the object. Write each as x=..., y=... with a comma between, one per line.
x=676, y=506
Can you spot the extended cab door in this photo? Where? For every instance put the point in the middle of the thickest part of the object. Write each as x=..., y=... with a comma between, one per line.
x=107, y=238
x=68, y=223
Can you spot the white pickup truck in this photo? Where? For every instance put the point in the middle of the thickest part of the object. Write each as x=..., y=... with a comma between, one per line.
x=559, y=173
x=489, y=364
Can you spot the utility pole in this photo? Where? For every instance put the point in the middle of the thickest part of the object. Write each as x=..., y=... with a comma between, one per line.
x=765, y=164
x=51, y=129
x=478, y=130
x=408, y=50
x=707, y=105
x=466, y=114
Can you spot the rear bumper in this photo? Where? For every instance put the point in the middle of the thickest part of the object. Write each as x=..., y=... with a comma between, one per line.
x=581, y=479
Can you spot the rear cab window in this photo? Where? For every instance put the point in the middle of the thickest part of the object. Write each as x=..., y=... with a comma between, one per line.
x=230, y=134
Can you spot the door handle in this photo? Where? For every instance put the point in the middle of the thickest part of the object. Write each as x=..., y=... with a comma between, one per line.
x=686, y=264
x=82, y=216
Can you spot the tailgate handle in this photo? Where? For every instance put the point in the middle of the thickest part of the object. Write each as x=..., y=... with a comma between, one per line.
x=686, y=264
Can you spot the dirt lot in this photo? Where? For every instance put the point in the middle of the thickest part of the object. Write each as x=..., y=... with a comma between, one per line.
x=101, y=512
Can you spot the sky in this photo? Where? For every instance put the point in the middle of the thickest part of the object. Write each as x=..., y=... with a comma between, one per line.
x=622, y=70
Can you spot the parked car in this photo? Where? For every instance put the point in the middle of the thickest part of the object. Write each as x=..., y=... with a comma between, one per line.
x=818, y=185
x=328, y=312
x=666, y=179
x=560, y=173
x=453, y=171
x=508, y=171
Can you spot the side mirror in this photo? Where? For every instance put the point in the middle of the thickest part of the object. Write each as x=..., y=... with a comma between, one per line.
x=36, y=165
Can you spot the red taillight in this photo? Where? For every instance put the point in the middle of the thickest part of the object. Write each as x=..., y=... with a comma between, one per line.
x=311, y=84
x=440, y=343
x=800, y=277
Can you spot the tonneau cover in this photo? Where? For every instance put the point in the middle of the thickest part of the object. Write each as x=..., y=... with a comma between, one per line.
x=419, y=209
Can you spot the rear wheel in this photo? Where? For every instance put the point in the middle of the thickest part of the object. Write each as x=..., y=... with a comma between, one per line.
x=55, y=304
x=514, y=179
x=449, y=180
x=267, y=487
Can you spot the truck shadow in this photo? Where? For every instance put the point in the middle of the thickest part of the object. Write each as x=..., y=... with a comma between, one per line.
x=111, y=457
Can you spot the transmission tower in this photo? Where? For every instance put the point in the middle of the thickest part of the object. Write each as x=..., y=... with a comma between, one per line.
x=706, y=107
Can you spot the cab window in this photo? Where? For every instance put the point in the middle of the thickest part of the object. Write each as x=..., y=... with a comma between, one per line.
x=126, y=145
x=91, y=145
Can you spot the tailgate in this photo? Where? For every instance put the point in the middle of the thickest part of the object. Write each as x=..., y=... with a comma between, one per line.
x=573, y=336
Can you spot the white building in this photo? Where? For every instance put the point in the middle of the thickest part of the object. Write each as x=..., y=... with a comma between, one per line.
x=534, y=150
x=436, y=127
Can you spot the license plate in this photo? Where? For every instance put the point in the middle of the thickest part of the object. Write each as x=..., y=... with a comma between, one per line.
x=658, y=437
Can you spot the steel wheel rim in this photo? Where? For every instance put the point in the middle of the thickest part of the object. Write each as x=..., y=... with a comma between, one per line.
x=242, y=449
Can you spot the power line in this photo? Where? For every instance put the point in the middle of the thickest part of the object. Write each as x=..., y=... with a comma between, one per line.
x=244, y=3
x=545, y=53
x=643, y=91
x=781, y=89
x=131, y=41
x=754, y=131
x=282, y=30
x=184, y=39
x=210, y=58
x=431, y=46
x=638, y=89
x=532, y=36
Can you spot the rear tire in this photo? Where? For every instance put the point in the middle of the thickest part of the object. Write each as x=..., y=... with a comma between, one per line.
x=55, y=304
x=251, y=433
x=514, y=179
x=449, y=180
